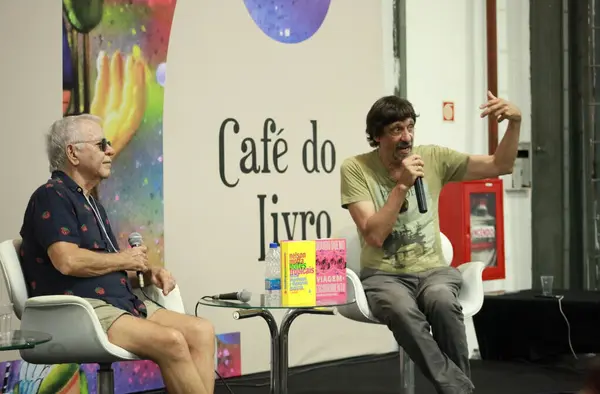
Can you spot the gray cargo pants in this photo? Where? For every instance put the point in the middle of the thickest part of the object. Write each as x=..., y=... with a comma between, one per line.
x=412, y=304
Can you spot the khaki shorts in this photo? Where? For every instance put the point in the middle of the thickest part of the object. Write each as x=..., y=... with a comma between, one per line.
x=108, y=314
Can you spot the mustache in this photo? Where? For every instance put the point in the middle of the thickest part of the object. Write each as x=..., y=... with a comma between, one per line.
x=403, y=145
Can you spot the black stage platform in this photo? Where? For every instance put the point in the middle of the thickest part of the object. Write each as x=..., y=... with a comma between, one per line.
x=523, y=326
x=379, y=375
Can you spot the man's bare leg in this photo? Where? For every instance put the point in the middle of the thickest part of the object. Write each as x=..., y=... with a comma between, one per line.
x=163, y=345
x=200, y=336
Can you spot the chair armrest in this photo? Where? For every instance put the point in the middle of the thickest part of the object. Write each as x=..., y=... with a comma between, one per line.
x=471, y=292
x=172, y=301
x=77, y=336
x=57, y=300
x=359, y=310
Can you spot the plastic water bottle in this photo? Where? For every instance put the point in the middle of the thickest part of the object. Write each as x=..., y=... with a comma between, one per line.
x=273, y=276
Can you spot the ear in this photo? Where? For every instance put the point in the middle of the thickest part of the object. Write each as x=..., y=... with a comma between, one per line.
x=72, y=155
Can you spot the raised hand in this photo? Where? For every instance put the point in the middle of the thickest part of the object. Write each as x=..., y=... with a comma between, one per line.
x=500, y=109
x=120, y=96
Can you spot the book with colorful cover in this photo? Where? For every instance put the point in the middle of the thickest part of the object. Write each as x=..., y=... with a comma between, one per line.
x=331, y=271
x=298, y=273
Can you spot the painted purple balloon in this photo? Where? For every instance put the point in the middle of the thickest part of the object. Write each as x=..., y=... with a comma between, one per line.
x=288, y=21
x=161, y=74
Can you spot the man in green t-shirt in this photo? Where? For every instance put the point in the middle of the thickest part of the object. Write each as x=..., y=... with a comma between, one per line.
x=409, y=286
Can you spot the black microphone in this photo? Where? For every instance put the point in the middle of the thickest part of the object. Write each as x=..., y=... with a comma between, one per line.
x=243, y=296
x=420, y=192
x=135, y=239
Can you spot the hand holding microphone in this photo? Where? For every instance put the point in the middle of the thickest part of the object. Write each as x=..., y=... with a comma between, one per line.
x=138, y=256
x=420, y=192
x=411, y=174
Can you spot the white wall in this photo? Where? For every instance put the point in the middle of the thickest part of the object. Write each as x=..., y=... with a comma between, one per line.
x=30, y=101
x=446, y=61
x=291, y=84
x=445, y=58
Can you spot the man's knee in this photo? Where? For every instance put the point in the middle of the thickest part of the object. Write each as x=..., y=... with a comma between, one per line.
x=170, y=342
x=202, y=331
x=148, y=339
x=396, y=312
x=440, y=298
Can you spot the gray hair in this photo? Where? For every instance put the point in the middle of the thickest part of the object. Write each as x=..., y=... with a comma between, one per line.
x=63, y=132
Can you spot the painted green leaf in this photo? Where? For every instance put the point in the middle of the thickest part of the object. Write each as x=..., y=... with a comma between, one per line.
x=83, y=383
x=60, y=375
x=84, y=15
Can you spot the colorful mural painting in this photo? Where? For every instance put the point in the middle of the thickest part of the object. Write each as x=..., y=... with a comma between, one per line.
x=21, y=377
x=229, y=355
x=114, y=66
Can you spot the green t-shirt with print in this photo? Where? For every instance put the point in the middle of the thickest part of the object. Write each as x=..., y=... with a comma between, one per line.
x=414, y=244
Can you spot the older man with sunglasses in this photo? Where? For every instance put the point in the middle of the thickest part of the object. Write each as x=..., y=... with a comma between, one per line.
x=69, y=248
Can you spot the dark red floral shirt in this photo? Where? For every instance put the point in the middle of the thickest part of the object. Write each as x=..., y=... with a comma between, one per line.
x=58, y=211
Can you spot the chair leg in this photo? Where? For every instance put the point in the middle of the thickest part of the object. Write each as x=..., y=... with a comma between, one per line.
x=105, y=379
x=407, y=374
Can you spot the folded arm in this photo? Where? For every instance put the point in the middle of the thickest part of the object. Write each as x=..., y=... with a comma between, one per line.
x=57, y=230
x=70, y=259
x=375, y=226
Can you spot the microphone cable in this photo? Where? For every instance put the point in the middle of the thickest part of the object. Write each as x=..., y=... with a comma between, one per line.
x=224, y=383
x=560, y=298
x=217, y=372
x=150, y=299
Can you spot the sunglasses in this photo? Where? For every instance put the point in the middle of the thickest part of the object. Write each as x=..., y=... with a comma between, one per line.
x=103, y=144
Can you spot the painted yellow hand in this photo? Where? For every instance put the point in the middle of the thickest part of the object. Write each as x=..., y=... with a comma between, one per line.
x=120, y=96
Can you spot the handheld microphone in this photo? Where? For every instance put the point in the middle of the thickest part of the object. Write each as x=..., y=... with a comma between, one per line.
x=243, y=296
x=135, y=239
x=420, y=192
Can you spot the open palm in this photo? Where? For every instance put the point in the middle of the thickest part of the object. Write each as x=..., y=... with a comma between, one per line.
x=120, y=96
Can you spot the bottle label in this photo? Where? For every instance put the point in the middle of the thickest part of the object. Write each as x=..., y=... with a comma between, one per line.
x=272, y=284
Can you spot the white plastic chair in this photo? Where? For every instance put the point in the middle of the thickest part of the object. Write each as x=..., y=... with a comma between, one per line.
x=470, y=296
x=77, y=336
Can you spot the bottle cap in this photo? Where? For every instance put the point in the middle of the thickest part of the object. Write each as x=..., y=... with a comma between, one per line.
x=273, y=245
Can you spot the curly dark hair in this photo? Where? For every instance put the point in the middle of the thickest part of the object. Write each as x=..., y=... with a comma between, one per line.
x=385, y=111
